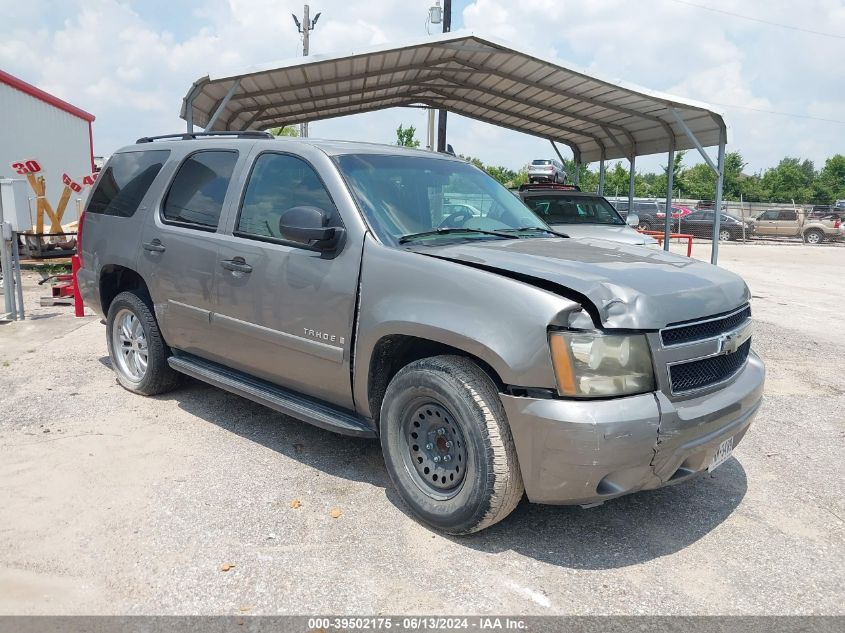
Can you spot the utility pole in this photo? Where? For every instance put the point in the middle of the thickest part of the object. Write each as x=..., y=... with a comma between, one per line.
x=441, y=121
x=305, y=29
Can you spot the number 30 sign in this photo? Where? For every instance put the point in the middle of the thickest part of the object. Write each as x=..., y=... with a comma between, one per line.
x=27, y=167
x=33, y=167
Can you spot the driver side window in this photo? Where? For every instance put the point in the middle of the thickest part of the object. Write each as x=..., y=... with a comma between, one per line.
x=279, y=182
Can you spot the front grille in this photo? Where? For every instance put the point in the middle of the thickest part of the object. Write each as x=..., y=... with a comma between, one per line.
x=704, y=329
x=707, y=371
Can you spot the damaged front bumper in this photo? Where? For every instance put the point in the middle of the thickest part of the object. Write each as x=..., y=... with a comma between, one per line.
x=587, y=451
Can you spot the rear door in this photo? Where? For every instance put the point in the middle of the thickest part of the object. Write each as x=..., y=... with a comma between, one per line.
x=179, y=249
x=787, y=222
x=286, y=313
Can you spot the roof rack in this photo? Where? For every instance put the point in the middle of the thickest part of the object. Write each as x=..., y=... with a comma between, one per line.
x=550, y=185
x=188, y=136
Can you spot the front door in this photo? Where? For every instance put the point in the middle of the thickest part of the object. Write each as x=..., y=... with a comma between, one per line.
x=767, y=223
x=285, y=312
x=179, y=249
x=699, y=224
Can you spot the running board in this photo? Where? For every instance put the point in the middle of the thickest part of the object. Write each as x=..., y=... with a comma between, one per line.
x=321, y=414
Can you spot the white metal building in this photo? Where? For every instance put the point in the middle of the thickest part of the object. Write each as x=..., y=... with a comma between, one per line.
x=40, y=133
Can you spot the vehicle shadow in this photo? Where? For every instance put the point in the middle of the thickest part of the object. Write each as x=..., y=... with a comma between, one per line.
x=622, y=532
x=352, y=458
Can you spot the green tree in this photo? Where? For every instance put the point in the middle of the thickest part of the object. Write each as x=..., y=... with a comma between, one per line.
x=734, y=164
x=792, y=179
x=287, y=130
x=405, y=136
x=661, y=180
x=829, y=184
x=508, y=177
x=616, y=181
x=698, y=181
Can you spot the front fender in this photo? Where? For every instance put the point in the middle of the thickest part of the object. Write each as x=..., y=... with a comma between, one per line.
x=498, y=320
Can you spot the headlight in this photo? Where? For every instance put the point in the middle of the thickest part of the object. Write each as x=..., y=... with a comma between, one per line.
x=597, y=365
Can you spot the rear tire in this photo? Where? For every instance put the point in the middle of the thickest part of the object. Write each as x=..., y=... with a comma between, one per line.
x=446, y=406
x=725, y=235
x=814, y=236
x=137, y=350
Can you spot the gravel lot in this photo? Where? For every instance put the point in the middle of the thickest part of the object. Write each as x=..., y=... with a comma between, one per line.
x=111, y=503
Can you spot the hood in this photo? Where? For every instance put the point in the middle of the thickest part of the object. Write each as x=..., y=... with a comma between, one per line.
x=629, y=286
x=624, y=234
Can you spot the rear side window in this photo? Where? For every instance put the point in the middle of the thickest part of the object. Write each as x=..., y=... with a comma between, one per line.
x=199, y=188
x=125, y=181
x=280, y=182
x=789, y=216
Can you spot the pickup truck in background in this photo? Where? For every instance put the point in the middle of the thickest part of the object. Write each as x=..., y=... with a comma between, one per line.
x=790, y=223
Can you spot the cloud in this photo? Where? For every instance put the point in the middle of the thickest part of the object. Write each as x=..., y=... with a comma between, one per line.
x=675, y=48
x=130, y=63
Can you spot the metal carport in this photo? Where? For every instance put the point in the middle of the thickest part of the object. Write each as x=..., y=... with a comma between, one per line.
x=478, y=78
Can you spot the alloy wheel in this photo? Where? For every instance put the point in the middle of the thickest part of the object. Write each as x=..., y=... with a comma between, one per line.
x=129, y=341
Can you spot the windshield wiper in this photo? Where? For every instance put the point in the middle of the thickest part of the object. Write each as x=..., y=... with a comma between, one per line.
x=445, y=231
x=537, y=228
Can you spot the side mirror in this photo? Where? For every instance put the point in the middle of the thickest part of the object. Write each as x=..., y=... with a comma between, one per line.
x=632, y=220
x=307, y=226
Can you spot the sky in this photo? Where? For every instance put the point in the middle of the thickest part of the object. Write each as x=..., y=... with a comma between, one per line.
x=130, y=62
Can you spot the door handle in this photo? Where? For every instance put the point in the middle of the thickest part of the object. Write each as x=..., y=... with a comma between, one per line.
x=237, y=265
x=154, y=247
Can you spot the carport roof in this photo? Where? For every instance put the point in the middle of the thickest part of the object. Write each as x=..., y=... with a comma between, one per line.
x=476, y=77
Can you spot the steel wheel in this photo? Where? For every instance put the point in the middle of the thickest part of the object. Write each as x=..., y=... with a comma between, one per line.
x=435, y=451
x=724, y=235
x=129, y=342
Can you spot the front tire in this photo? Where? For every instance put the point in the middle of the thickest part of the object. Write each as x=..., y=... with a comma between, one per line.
x=447, y=445
x=137, y=350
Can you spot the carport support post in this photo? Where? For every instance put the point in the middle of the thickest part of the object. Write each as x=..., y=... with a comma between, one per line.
x=601, y=175
x=720, y=181
x=189, y=116
x=633, y=160
x=222, y=105
x=670, y=177
x=189, y=106
x=441, y=119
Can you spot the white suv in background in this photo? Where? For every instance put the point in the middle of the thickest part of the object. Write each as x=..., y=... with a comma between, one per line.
x=546, y=170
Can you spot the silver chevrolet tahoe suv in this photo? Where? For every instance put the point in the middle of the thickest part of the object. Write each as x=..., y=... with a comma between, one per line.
x=335, y=283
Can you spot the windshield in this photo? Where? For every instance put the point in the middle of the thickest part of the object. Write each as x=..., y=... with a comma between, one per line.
x=404, y=196
x=563, y=209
